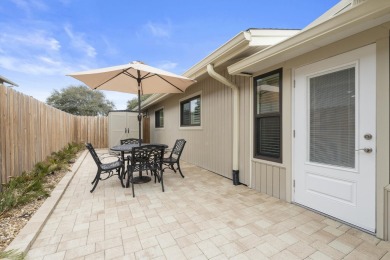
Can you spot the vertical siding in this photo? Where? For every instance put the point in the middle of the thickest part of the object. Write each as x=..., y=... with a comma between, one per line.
x=387, y=213
x=211, y=146
x=269, y=179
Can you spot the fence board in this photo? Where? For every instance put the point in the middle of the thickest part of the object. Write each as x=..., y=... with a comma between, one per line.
x=30, y=131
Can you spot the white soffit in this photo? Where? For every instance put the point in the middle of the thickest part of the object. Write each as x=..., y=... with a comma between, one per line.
x=240, y=46
x=252, y=39
x=358, y=17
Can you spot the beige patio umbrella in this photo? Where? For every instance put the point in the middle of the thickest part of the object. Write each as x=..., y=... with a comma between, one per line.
x=136, y=78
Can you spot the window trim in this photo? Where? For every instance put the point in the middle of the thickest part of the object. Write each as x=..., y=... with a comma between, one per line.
x=187, y=98
x=279, y=114
x=155, y=118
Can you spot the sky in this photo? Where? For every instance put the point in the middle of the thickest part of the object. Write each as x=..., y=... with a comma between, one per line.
x=43, y=40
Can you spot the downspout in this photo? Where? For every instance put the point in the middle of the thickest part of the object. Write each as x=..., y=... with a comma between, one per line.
x=223, y=80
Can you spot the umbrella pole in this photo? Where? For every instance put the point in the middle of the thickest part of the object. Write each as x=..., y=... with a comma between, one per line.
x=139, y=116
x=139, y=106
x=140, y=178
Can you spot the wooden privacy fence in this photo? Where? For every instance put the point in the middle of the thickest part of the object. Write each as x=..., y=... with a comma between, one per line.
x=30, y=131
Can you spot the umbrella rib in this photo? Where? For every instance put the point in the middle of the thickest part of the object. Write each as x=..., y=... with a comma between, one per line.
x=129, y=74
x=169, y=83
x=148, y=76
x=111, y=79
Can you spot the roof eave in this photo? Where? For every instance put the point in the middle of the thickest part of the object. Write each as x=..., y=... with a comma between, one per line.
x=362, y=17
x=5, y=80
x=238, y=44
x=220, y=55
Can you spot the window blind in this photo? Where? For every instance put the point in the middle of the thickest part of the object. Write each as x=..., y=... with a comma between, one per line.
x=190, y=112
x=332, y=118
x=268, y=141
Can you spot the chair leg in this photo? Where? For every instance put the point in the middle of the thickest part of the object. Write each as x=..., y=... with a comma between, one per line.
x=129, y=173
x=178, y=167
x=96, y=176
x=96, y=180
x=132, y=183
x=171, y=167
x=161, y=180
x=121, y=175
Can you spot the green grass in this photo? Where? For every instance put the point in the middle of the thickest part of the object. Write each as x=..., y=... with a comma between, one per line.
x=30, y=185
x=12, y=254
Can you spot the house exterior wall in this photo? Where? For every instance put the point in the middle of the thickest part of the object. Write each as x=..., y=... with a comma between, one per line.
x=210, y=145
x=378, y=35
x=387, y=213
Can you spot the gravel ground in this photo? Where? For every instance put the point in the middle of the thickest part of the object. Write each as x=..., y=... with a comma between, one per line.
x=14, y=220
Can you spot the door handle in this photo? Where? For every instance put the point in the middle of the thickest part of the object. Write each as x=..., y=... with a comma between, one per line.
x=125, y=130
x=366, y=150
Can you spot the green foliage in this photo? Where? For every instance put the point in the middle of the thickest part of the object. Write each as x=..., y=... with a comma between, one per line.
x=12, y=255
x=81, y=101
x=30, y=186
x=132, y=104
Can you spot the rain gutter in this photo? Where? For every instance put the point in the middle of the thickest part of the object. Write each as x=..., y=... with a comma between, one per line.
x=223, y=80
x=367, y=14
x=5, y=80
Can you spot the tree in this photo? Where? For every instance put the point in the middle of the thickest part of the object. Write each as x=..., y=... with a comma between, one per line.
x=132, y=104
x=81, y=101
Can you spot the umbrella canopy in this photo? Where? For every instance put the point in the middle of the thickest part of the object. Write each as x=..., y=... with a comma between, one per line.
x=137, y=78
x=130, y=78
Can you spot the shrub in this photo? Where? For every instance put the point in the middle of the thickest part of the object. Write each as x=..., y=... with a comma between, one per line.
x=30, y=186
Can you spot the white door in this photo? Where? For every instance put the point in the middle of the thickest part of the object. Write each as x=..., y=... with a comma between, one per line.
x=132, y=125
x=117, y=127
x=335, y=143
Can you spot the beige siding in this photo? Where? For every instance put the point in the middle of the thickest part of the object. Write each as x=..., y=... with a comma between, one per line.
x=387, y=213
x=269, y=179
x=380, y=36
x=210, y=146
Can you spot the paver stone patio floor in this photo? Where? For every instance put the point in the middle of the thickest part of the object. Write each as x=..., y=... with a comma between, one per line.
x=203, y=216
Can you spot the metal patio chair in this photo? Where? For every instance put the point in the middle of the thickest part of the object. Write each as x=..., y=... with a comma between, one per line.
x=104, y=168
x=146, y=158
x=130, y=141
x=174, y=157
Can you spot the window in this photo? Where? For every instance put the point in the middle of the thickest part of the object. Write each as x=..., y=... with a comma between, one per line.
x=159, y=118
x=267, y=116
x=190, y=112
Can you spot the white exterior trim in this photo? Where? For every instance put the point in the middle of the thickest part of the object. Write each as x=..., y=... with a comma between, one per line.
x=199, y=93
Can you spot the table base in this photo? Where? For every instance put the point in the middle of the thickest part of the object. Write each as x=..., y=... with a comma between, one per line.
x=141, y=179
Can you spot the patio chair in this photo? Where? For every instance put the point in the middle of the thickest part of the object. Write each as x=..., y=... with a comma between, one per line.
x=104, y=168
x=174, y=157
x=146, y=158
x=130, y=141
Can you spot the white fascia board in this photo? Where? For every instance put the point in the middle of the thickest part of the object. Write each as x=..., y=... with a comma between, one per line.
x=237, y=45
x=240, y=41
x=362, y=17
x=268, y=37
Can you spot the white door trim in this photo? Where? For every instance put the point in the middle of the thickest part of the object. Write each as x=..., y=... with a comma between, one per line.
x=360, y=59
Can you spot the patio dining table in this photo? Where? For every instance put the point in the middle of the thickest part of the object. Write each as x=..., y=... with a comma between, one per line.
x=126, y=148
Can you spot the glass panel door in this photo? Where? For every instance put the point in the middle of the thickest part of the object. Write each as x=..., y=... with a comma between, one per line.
x=332, y=118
